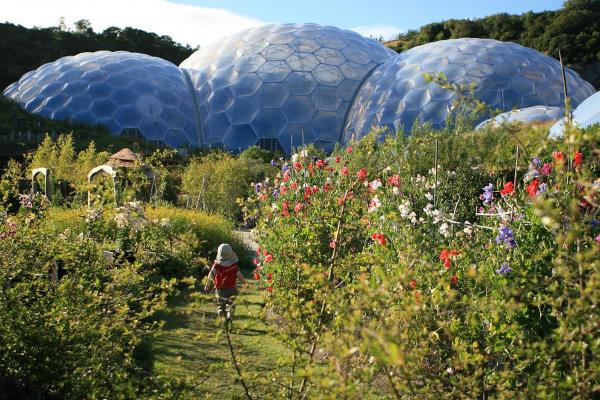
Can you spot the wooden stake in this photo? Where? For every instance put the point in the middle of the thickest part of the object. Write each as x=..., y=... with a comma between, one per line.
x=435, y=173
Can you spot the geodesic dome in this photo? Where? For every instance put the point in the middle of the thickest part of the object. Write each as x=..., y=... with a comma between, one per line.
x=525, y=116
x=280, y=85
x=586, y=114
x=506, y=76
x=119, y=90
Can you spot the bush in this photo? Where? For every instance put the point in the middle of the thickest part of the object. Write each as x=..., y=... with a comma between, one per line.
x=457, y=297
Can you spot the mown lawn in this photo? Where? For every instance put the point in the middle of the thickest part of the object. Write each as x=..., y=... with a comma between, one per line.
x=193, y=345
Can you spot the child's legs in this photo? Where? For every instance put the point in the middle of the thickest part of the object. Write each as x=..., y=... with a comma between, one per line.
x=225, y=301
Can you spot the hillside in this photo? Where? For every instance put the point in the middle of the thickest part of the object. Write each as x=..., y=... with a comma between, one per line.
x=574, y=30
x=23, y=49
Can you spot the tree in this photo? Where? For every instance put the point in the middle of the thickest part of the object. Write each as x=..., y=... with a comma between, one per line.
x=83, y=26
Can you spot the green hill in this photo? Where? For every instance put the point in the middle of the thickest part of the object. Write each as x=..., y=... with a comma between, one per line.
x=23, y=49
x=574, y=30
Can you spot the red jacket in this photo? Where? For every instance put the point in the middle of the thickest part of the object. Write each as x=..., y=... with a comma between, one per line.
x=225, y=277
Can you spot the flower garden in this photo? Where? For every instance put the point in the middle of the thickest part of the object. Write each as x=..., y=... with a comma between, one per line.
x=448, y=264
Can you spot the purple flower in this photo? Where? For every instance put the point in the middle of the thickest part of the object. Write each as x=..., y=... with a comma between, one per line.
x=505, y=235
x=273, y=163
x=276, y=193
x=594, y=223
x=285, y=167
x=536, y=162
x=257, y=187
x=488, y=194
x=542, y=188
x=504, y=269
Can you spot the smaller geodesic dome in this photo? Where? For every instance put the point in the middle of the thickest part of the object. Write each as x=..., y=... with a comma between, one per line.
x=128, y=93
x=586, y=114
x=527, y=115
x=506, y=76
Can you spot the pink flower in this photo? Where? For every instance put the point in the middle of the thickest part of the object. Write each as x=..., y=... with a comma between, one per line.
x=298, y=207
x=546, y=169
x=345, y=171
x=256, y=276
x=413, y=284
x=268, y=257
x=332, y=244
x=362, y=174
x=394, y=180
x=321, y=163
x=349, y=150
x=294, y=186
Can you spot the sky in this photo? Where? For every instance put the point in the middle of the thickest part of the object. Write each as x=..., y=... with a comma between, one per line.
x=202, y=22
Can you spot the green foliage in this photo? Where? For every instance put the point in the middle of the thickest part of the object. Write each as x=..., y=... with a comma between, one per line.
x=215, y=182
x=31, y=47
x=574, y=30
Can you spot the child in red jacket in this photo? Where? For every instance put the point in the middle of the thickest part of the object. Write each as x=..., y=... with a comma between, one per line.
x=224, y=274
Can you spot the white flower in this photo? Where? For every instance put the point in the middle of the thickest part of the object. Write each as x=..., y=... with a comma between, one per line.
x=428, y=209
x=121, y=219
x=388, y=168
x=294, y=157
x=429, y=196
x=413, y=218
x=468, y=230
x=444, y=229
x=374, y=204
x=165, y=222
x=376, y=184
x=404, y=209
x=396, y=191
x=437, y=216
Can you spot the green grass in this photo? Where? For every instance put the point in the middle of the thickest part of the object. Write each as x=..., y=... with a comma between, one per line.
x=193, y=347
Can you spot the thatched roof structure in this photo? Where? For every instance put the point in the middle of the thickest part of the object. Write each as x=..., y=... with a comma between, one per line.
x=124, y=158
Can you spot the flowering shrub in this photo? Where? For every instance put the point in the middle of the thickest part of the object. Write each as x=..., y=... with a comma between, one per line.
x=408, y=287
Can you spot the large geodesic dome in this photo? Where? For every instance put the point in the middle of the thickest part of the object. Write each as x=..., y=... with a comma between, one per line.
x=527, y=115
x=506, y=76
x=586, y=114
x=280, y=85
x=122, y=91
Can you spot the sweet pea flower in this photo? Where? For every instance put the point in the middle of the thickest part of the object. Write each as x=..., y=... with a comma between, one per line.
x=344, y=171
x=546, y=169
x=488, y=194
x=394, y=180
x=321, y=163
x=454, y=279
x=298, y=207
x=507, y=189
x=504, y=269
x=577, y=159
x=532, y=188
x=268, y=257
x=380, y=238
x=374, y=204
x=349, y=150
x=376, y=184
x=505, y=235
x=558, y=157
x=362, y=174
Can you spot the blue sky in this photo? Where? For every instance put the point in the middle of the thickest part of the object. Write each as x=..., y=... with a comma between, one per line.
x=203, y=22
x=401, y=14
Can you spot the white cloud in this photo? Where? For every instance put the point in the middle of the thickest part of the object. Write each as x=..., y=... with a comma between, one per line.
x=184, y=23
x=387, y=31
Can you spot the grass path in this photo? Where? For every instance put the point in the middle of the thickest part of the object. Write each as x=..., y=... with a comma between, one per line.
x=193, y=346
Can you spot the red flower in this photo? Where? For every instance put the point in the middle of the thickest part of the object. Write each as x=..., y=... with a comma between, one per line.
x=311, y=167
x=558, y=156
x=577, y=159
x=447, y=263
x=532, y=188
x=413, y=284
x=286, y=177
x=268, y=257
x=294, y=186
x=380, y=238
x=362, y=174
x=444, y=255
x=507, y=189
x=345, y=171
x=282, y=189
x=454, y=279
x=298, y=165
x=349, y=150
x=321, y=163
x=256, y=276
x=256, y=262
x=337, y=159
x=394, y=180
x=298, y=207
x=269, y=277
x=270, y=289
x=326, y=187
